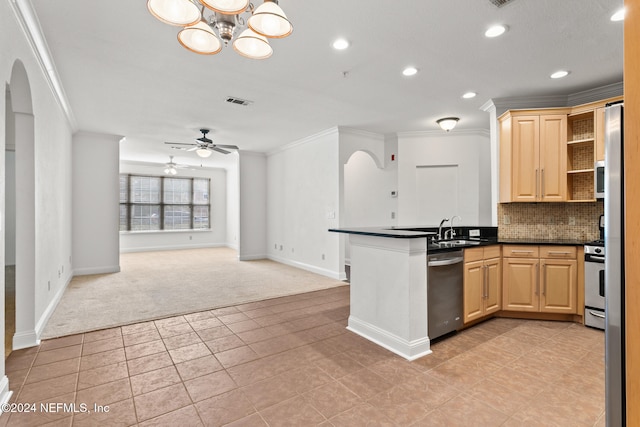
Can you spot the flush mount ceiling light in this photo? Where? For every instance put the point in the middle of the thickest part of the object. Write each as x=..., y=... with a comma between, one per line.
x=469, y=95
x=340, y=44
x=170, y=168
x=559, y=74
x=495, y=31
x=448, y=123
x=618, y=16
x=410, y=71
x=210, y=24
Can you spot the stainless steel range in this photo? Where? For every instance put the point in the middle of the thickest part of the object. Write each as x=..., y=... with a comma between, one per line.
x=594, y=289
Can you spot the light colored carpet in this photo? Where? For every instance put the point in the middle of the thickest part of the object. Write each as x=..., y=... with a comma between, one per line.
x=153, y=285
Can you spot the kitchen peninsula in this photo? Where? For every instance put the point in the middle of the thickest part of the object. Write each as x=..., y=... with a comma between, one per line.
x=388, y=288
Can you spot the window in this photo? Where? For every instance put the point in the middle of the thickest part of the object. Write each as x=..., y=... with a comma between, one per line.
x=149, y=203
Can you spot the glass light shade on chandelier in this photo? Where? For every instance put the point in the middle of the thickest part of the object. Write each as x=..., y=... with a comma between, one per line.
x=175, y=12
x=170, y=171
x=200, y=38
x=227, y=7
x=206, y=33
x=269, y=20
x=252, y=45
x=203, y=152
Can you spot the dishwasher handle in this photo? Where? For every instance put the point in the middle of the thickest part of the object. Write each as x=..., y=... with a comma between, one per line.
x=443, y=262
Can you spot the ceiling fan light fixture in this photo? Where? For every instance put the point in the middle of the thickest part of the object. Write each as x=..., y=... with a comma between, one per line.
x=200, y=38
x=203, y=152
x=447, y=123
x=226, y=7
x=269, y=20
x=252, y=45
x=175, y=12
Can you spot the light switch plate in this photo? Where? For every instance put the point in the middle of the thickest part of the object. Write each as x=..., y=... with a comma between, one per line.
x=474, y=233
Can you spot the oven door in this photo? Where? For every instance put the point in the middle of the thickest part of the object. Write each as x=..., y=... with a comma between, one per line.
x=594, y=282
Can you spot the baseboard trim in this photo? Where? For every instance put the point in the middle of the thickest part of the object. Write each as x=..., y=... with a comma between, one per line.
x=410, y=350
x=48, y=312
x=251, y=257
x=96, y=270
x=308, y=267
x=25, y=340
x=172, y=248
x=5, y=393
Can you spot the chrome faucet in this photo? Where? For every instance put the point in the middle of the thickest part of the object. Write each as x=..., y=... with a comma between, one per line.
x=440, y=237
x=451, y=231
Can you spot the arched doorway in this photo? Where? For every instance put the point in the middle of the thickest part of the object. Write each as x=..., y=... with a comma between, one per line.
x=19, y=137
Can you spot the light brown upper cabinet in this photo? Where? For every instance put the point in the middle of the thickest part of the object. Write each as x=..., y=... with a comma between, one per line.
x=599, y=133
x=533, y=156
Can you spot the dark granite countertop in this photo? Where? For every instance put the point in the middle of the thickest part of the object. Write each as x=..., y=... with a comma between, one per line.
x=399, y=233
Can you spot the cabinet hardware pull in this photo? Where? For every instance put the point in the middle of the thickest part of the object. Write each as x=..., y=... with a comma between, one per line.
x=537, y=183
x=542, y=180
x=558, y=253
x=596, y=314
x=544, y=278
x=485, y=290
x=537, y=279
x=521, y=252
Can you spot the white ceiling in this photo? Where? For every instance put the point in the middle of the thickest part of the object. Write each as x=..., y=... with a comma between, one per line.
x=124, y=72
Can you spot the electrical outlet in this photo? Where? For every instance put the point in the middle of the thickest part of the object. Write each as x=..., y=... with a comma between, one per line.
x=506, y=219
x=280, y=247
x=393, y=215
x=572, y=220
x=474, y=233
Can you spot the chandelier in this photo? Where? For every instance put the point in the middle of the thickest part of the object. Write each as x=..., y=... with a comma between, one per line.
x=207, y=24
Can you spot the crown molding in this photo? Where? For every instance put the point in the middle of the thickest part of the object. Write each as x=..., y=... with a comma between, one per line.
x=30, y=25
x=597, y=94
x=359, y=132
x=311, y=138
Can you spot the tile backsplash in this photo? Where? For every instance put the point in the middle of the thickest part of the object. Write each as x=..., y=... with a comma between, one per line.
x=550, y=220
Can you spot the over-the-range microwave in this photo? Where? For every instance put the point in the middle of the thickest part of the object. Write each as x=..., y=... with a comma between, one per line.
x=598, y=179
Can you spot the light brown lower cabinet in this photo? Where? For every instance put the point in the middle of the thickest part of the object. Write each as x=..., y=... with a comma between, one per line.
x=540, y=279
x=482, y=282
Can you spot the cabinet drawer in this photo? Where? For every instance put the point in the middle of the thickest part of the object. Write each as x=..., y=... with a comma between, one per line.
x=473, y=254
x=492, y=252
x=520, y=251
x=558, y=252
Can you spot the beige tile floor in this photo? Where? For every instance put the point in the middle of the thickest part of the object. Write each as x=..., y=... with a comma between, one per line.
x=290, y=361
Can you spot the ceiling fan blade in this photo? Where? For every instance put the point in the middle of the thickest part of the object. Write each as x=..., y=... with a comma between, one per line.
x=233, y=147
x=219, y=150
x=179, y=148
x=193, y=149
x=179, y=143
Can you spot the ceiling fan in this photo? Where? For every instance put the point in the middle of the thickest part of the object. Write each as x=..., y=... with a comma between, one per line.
x=203, y=146
x=171, y=167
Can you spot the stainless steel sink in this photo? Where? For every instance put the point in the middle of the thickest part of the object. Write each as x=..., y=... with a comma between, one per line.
x=456, y=243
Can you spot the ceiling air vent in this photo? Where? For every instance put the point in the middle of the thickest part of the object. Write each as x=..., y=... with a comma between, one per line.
x=238, y=101
x=500, y=3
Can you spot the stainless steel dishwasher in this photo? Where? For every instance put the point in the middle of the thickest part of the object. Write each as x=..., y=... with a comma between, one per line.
x=444, y=293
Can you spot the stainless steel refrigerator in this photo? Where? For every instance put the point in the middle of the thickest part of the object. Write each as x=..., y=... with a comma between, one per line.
x=614, y=266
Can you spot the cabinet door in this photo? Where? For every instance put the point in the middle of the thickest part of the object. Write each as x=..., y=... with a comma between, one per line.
x=473, y=290
x=559, y=286
x=553, y=158
x=525, y=139
x=493, y=298
x=520, y=284
x=599, y=133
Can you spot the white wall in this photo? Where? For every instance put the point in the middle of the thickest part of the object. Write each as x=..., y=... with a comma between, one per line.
x=252, y=182
x=303, y=203
x=233, y=204
x=181, y=239
x=52, y=197
x=96, y=195
x=10, y=209
x=468, y=152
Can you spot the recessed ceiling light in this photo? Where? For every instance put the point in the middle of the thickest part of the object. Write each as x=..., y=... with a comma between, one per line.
x=559, y=74
x=410, y=71
x=469, y=95
x=618, y=16
x=340, y=44
x=495, y=31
